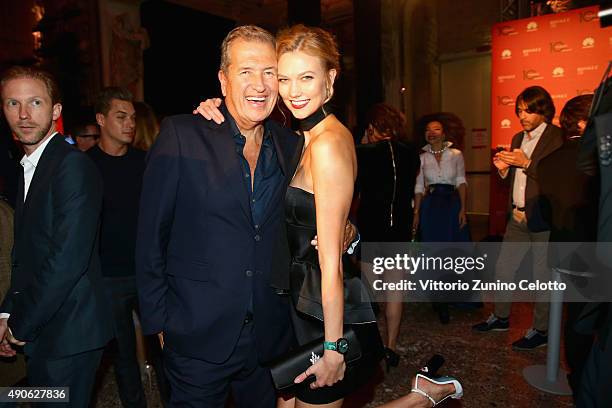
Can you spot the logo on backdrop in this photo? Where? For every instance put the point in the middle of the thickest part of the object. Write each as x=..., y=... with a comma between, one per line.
x=559, y=96
x=588, y=42
x=556, y=23
x=559, y=46
x=532, y=26
x=588, y=68
x=531, y=75
x=504, y=78
x=558, y=72
x=506, y=30
x=506, y=54
x=528, y=51
x=588, y=16
x=505, y=100
x=505, y=124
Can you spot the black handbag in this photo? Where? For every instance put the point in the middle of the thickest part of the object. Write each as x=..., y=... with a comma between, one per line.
x=285, y=368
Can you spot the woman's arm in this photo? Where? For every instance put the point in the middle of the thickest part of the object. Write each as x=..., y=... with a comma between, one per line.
x=333, y=168
x=461, y=184
x=419, y=189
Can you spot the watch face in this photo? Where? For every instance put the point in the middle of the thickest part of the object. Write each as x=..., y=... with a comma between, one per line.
x=342, y=346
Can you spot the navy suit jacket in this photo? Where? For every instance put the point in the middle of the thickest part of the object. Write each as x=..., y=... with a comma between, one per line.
x=199, y=259
x=56, y=299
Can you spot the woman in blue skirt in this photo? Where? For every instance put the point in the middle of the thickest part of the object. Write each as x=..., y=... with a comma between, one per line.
x=441, y=187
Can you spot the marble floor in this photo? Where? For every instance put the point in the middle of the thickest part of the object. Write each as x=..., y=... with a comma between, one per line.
x=491, y=373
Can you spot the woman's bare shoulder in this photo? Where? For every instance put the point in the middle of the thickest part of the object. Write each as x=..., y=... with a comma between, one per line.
x=334, y=136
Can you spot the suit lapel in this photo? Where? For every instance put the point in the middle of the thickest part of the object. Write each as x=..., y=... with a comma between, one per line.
x=227, y=160
x=546, y=144
x=42, y=172
x=516, y=144
x=19, y=203
x=288, y=153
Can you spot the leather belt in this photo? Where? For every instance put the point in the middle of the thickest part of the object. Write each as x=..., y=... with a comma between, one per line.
x=521, y=209
x=248, y=318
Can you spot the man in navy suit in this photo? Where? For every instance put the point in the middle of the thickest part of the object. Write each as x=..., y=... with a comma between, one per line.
x=211, y=218
x=55, y=306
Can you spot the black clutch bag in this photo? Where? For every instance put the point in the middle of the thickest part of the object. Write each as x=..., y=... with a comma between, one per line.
x=287, y=367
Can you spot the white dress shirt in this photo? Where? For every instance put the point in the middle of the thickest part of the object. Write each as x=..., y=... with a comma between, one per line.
x=450, y=170
x=29, y=164
x=520, y=178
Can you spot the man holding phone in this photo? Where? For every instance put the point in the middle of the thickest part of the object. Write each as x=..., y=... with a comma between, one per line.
x=526, y=227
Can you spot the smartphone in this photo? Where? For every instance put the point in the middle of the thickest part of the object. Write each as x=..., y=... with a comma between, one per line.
x=501, y=148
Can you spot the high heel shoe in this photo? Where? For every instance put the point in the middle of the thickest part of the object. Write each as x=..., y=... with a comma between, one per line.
x=391, y=358
x=439, y=381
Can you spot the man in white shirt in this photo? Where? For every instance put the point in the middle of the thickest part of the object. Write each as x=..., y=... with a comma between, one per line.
x=55, y=305
x=526, y=229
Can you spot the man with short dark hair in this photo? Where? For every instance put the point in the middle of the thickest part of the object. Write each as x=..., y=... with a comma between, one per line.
x=121, y=167
x=526, y=229
x=86, y=136
x=55, y=306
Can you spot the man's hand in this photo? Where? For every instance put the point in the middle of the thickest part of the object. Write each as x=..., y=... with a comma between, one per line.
x=515, y=158
x=13, y=340
x=160, y=337
x=5, y=347
x=499, y=163
x=350, y=232
x=209, y=109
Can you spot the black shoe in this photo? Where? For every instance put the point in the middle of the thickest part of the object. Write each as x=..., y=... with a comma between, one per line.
x=444, y=316
x=443, y=313
x=391, y=358
x=532, y=340
x=493, y=323
x=467, y=305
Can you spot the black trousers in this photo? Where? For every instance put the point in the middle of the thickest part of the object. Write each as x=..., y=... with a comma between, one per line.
x=577, y=345
x=596, y=381
x=198, y=383
x=124, y=301
x=77, y=372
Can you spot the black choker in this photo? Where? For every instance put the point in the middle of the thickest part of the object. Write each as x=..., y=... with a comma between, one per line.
x=316, y=117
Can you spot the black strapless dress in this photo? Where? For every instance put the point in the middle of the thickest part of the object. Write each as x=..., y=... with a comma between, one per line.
x=307, y=313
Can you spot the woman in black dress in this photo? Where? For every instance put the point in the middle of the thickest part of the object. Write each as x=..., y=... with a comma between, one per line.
x=388, y=168
x=317, y=203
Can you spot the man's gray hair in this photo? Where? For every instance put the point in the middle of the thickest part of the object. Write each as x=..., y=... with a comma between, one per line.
x=246, y=33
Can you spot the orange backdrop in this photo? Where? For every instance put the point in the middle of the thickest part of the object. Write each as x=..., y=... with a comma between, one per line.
x=565, y=53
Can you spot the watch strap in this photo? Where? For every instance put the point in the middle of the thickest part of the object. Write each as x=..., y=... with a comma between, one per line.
x=330, y=345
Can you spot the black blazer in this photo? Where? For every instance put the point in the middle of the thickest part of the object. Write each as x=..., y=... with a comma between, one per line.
x=56, y=298
x=199, y=259
x=550, y=140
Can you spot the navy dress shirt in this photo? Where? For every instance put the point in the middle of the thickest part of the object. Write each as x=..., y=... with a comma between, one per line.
x=268, y=174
